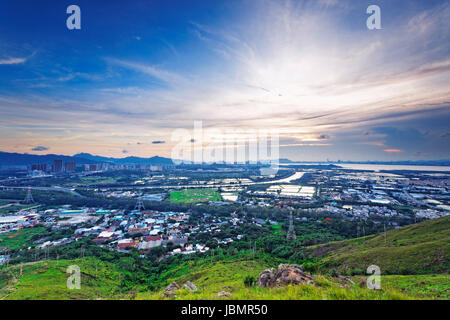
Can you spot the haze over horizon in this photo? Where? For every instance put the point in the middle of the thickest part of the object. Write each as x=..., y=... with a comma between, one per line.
x=310, y=69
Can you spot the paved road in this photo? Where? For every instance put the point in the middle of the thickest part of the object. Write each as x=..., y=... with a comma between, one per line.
x=58, y=189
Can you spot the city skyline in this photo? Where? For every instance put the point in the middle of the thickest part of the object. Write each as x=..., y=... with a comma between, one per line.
x=312, y=70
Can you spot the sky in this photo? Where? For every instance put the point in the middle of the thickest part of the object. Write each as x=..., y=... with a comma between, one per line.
x=310, y=70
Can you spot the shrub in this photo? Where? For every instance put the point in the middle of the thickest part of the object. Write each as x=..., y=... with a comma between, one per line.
x=249, y=281
x=333, y=272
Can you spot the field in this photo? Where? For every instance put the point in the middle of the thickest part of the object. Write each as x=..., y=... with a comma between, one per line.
x=194, y=195
x=19, y=239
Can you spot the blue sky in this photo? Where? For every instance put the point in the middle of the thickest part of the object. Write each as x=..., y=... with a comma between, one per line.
x=136, y=72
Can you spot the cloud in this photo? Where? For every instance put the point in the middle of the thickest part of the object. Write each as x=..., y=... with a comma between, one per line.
x=12, y=61
x=154, y=71
x=39, y=148
x=297, y=68
x=392, y=150
x=158, y=142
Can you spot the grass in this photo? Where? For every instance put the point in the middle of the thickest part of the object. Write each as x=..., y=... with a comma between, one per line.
x=14, y=207
x=194, y=195
x=415, y=249
x=20, y=239
x=229, y=276
x=96, y=180
x=47, y=280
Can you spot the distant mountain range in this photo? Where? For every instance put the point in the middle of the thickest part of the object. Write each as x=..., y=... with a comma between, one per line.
x=18, y=159
x=128, y=160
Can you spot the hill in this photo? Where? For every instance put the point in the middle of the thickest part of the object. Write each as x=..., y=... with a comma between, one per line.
x=229, y=276
x=46, y=280
x=421, y=248
x=19, y=159
x=413, y=262
x=156, y=160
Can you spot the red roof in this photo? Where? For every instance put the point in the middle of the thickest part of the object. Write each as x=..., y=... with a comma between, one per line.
x=125, y=245
x=152, y=238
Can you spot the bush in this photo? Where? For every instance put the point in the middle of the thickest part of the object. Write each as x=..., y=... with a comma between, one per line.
x=310, y=267
x=249, y=281
x=333, y=272
x=297, y=257
x=357, y=271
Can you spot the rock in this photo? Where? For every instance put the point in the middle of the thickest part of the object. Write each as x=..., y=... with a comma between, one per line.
x=190, y=286
x=266, y=278
x=224, y=294
x=169, y=292
x=284, y=275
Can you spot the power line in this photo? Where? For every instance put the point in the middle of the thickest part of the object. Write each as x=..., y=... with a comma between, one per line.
x=28, y=197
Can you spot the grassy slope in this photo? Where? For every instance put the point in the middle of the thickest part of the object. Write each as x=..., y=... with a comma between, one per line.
x=19, y=239
x=47, y=280
x=421, y=248
x=228, y=276
x=415, y=249
x=99, y=280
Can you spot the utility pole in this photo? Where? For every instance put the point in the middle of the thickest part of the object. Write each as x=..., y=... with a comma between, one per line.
x=291, y=231
x=29, y=197
x=139, y=204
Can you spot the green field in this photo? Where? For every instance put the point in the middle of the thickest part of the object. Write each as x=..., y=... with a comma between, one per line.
x=19, y=239
x=194, y=195
x=421, y=248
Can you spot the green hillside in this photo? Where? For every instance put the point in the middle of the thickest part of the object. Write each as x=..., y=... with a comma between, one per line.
x=229, y=276
x=421, y=248
x=47, y=280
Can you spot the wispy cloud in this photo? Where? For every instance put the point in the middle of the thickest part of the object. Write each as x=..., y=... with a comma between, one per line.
x=156, y=72
x=39, y=148
x=12, y=60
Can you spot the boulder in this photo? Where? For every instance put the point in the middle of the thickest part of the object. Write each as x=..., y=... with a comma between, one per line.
x=284, y=275
x=190, y=286
x=170, y=290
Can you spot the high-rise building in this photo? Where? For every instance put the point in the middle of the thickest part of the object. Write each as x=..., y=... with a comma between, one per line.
x=71, y=166
x=39, y=167
x=57, y=166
